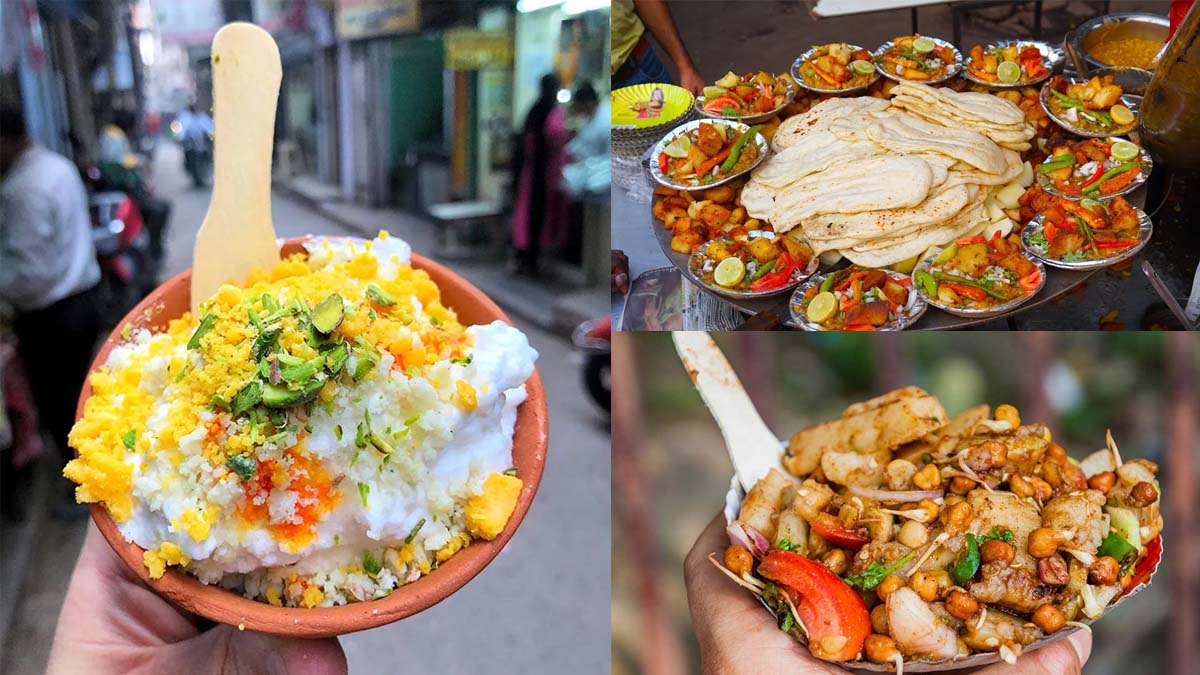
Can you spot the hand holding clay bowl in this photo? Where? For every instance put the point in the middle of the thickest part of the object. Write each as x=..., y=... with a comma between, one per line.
x=341, y=441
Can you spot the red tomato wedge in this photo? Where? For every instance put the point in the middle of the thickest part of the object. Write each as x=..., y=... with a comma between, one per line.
x=839, y=535
x=833, y=614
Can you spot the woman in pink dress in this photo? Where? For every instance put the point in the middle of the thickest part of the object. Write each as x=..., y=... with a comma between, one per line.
x=540, y=209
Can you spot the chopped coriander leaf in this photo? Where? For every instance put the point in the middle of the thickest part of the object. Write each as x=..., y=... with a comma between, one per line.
x=787, y=545
x=787, y=623
x=242, y=465
x=412, y=534
x=248, y=397
x=370, y=564
x=126, y=331
x=337, y=431
x=363, y=491
x=206, y=325
x=1004, y=535
x=462, y=361
x=433, y=320
x=219, y=402
x=511, y=472
x=413, y=419
x=875, y=573
x=129, y=439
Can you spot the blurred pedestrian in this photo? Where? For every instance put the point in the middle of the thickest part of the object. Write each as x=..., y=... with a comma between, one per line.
x=195, y=134
x=48, y=272
x=540, y=209
x=122, y=170
x=590, y=151
x=634, y=60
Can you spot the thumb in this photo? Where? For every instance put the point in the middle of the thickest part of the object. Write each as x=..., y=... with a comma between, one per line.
x=239, y=651
x=1064, y=657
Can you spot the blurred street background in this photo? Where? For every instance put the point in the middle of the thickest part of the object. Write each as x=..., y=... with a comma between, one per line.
x=671, y=471
x=402, y=115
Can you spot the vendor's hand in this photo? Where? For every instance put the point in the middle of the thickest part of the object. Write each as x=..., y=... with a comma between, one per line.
x=619, y=272
x=689, y=78
x=113, y=623
x=737, y=635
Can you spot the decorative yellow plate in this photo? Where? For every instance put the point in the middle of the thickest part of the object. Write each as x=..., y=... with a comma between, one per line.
x=643, y=106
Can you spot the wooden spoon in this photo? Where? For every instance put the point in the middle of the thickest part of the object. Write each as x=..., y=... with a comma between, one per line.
x=752, y=447
x=237, y=235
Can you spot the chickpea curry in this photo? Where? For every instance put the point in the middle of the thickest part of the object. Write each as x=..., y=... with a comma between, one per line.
x=896, y=533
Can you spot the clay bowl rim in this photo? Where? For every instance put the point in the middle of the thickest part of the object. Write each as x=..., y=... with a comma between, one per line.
x=225, y=606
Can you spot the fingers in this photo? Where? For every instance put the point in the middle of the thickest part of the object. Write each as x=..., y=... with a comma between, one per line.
x=226, y=649
x=1064, y=657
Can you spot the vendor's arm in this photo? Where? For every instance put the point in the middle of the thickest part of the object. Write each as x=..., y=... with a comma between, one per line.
x=656, y=16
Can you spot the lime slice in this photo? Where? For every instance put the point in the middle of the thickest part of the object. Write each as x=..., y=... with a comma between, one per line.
x=1121, y=115
x=678, y=148
x=862, y=67
x=923, y=45
x=1123, y=150
x=1008, y=72
x=729, y=272
x=822, y=307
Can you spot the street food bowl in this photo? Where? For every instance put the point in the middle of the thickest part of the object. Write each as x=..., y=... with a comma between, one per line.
x=1142, y=576
x=530, y=436
x=1080, y=42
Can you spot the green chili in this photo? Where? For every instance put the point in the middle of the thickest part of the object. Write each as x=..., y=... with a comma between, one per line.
x=1111, y=173
x=1060, y=162
x=735, y=152
x=762, y=269
x=968, y=563
x=954, y=279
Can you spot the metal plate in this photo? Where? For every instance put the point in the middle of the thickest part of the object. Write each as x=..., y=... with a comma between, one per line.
x=1052, y=56
x=906, y=317
x=1147, y=165
x=951, y=71
x=1044, y=99
x=795, y=70
x=747, y=119
x=989, y=313
x=1145, y=231
x=697, y=258
x=764, y=149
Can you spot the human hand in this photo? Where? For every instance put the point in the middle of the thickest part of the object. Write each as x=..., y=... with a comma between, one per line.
x=737, y=635
x=619, y=272
x=689, y=78
x=113, y=623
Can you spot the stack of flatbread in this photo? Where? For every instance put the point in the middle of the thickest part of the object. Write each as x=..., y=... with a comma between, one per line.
x=880, y=181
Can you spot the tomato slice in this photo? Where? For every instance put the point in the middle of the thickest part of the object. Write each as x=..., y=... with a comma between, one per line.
x=838, y=535
x=833, y=614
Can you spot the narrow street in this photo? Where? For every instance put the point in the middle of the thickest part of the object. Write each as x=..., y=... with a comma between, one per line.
x=554, y=573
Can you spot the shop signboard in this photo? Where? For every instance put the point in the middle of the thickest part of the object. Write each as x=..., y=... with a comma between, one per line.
x=469, y=49
x=187, y=23
x=358, y=19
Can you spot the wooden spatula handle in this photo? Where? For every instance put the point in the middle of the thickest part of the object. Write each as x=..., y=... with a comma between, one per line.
x=246, y=73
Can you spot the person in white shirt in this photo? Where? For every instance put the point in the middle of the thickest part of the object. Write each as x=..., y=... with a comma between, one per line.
x=48, y=271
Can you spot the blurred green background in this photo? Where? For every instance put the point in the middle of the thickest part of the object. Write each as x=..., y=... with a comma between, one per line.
x=670, y=470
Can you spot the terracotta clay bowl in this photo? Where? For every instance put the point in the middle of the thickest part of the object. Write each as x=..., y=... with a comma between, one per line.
x=530, y=437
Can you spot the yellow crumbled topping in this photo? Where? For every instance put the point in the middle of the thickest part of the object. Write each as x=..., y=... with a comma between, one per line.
x=196, y=525
x=380, y=316
x=465, y=394
x=311, y=597
x=453, y=546
x=405, y=555
x=487, y=513
x=273, y=596
x=156, y=560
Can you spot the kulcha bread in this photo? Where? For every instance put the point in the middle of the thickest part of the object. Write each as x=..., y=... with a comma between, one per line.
x=881, y=181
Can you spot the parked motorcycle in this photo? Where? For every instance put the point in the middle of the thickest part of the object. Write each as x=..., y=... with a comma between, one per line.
x=127, y=270
x=593, y=341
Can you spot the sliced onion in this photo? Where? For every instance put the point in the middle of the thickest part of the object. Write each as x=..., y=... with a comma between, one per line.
x=748, y=538
x=275, y=377
x=896, y=496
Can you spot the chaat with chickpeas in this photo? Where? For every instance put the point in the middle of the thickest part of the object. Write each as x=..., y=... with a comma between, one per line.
x=897, y=534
